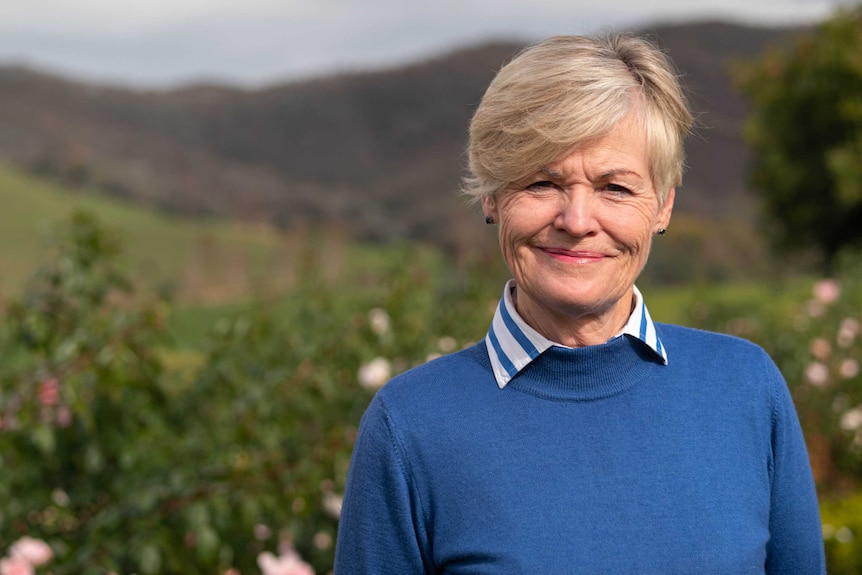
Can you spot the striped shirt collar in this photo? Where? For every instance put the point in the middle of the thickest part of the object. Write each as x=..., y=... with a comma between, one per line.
x=512, y=344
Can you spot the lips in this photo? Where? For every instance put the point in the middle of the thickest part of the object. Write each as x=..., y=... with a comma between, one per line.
x=584, y=256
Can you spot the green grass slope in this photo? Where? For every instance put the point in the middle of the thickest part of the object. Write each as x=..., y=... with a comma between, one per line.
x=202, y=260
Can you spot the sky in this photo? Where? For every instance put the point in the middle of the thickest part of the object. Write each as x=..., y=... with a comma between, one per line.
x=253, y=43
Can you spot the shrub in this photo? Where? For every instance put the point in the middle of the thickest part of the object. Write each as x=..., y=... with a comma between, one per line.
x=123, y=466
x=842, y=534
x=84, y=418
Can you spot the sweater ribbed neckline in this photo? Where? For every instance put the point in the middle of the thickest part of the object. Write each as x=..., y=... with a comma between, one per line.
x=586, y=373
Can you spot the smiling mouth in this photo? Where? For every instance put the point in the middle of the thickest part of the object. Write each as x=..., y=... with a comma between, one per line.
x=574, y=256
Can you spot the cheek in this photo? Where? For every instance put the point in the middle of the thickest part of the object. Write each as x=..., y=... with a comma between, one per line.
x=642, y=249
x=511, y=224
x=640, y=227
x=509, y=242
x=515, y=233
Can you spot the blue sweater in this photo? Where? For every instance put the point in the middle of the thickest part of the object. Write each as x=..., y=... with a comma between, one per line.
x=592, y=460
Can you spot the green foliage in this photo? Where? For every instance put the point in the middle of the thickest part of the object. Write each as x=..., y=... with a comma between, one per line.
x=842, y=534
x=806, y=135
x=82, y=407
x=121, y=465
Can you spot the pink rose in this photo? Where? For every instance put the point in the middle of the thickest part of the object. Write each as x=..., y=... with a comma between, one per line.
x=847, y=332
x=63, y=416
x=15, y=566
x=49, y=391
x=849, y=368
x=826, y=291
x=817, y=374
x=31, y=550
x=287, y=564
x=820, y=348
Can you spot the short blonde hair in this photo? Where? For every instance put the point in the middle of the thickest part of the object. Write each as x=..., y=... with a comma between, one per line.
x=566, y=90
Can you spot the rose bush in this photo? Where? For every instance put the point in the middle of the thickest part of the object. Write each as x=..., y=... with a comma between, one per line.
x=123, y=466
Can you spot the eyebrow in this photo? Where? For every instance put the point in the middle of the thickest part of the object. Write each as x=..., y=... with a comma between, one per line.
x=618, y=172
x=555, y=175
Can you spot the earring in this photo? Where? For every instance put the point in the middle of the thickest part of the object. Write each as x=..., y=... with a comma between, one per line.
x=489, y=220
x=661, y=231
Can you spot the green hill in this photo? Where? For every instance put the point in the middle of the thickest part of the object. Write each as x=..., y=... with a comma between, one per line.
x=204, y=260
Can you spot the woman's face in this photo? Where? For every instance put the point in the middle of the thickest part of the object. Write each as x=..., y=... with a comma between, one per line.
x=577, y=234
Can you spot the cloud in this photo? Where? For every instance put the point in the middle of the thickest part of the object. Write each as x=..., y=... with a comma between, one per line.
x=158, y=42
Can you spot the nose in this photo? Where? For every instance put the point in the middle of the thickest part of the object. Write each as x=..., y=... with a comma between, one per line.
x=576, y=214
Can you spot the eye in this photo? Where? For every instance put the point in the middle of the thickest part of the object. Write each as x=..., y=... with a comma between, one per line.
x=541, y=185
x=617, y=189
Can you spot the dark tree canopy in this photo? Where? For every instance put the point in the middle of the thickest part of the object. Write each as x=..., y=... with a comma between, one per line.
x=806, y=137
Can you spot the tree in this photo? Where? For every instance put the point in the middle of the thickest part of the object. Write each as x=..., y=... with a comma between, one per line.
x=805, y=133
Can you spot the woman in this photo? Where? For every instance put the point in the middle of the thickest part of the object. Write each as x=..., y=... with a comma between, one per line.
x=579, y=436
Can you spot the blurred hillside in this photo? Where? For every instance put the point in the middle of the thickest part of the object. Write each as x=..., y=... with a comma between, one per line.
x=378, y=155
x=200, y=260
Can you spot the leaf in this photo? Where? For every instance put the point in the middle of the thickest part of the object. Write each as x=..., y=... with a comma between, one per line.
x=43, y=438
x=150, y=560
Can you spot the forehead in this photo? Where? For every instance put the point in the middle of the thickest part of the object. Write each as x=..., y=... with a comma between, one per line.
x=622, y=149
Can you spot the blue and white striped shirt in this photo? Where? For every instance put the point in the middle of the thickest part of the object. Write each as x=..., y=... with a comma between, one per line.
x=512, y=344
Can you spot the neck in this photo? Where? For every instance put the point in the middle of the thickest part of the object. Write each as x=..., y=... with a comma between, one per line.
x=575, y=326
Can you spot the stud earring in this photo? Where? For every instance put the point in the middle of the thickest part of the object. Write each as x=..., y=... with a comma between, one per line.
x=661, y=231
x=489, y=220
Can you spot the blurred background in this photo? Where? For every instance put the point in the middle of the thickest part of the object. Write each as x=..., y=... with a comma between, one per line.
x=222, y=228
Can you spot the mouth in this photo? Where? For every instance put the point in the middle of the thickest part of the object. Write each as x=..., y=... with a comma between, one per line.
x=574, y=256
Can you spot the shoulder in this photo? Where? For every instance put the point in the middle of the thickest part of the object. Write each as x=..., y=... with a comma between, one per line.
x=723, y=361
x=427, y=406
x=445, y=379
x=731, y=374
x=700, y=344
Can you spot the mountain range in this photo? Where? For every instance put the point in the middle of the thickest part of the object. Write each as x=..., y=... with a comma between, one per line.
x=378, y=155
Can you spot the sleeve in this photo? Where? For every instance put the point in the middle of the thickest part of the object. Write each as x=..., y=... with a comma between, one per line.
x=380, y=531
x=796, y=536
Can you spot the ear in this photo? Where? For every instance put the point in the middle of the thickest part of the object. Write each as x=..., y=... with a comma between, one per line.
x=663, y=217
x=489, y=206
